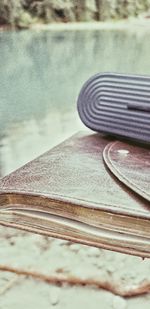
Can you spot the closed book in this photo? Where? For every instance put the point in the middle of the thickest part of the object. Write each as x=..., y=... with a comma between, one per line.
x=83, y=190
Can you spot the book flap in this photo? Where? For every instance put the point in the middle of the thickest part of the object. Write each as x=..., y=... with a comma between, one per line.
x=131, y=165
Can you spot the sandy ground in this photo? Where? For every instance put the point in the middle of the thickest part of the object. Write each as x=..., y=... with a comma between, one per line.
x=49, y=257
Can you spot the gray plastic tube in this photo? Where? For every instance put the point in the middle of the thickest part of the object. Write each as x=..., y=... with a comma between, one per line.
x=117, y=104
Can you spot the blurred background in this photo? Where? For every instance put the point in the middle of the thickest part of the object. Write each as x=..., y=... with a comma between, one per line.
x=48, y=49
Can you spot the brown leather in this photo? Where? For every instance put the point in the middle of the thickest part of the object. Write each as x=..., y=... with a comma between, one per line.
x=69, y=193
x=131, y=165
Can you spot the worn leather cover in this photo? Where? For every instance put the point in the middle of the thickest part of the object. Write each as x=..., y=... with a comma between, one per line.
x=131, y=165
x=70, y=193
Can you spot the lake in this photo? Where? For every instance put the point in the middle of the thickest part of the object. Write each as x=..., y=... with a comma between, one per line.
x=41, y=74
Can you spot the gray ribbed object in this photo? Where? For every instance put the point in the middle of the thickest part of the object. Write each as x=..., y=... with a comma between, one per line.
x=117, y=104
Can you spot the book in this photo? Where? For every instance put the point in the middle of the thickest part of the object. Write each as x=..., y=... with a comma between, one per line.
x=70, y=192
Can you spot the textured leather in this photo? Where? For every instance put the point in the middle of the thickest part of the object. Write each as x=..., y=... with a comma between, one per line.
x=74, y=170
x=131, y=165
x=72, y=190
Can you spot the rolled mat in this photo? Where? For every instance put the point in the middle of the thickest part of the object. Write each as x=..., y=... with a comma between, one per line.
x=117, y=104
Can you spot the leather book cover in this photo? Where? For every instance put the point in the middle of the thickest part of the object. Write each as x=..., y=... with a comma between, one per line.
x=83, y=190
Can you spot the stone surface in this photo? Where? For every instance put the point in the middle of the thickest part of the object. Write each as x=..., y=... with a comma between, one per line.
x=55, y=257
x=119, y=303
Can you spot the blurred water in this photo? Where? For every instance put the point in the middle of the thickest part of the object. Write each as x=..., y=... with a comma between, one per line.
x=41, y=73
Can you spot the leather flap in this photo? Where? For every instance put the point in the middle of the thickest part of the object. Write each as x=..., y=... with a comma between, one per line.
x=131, y=165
